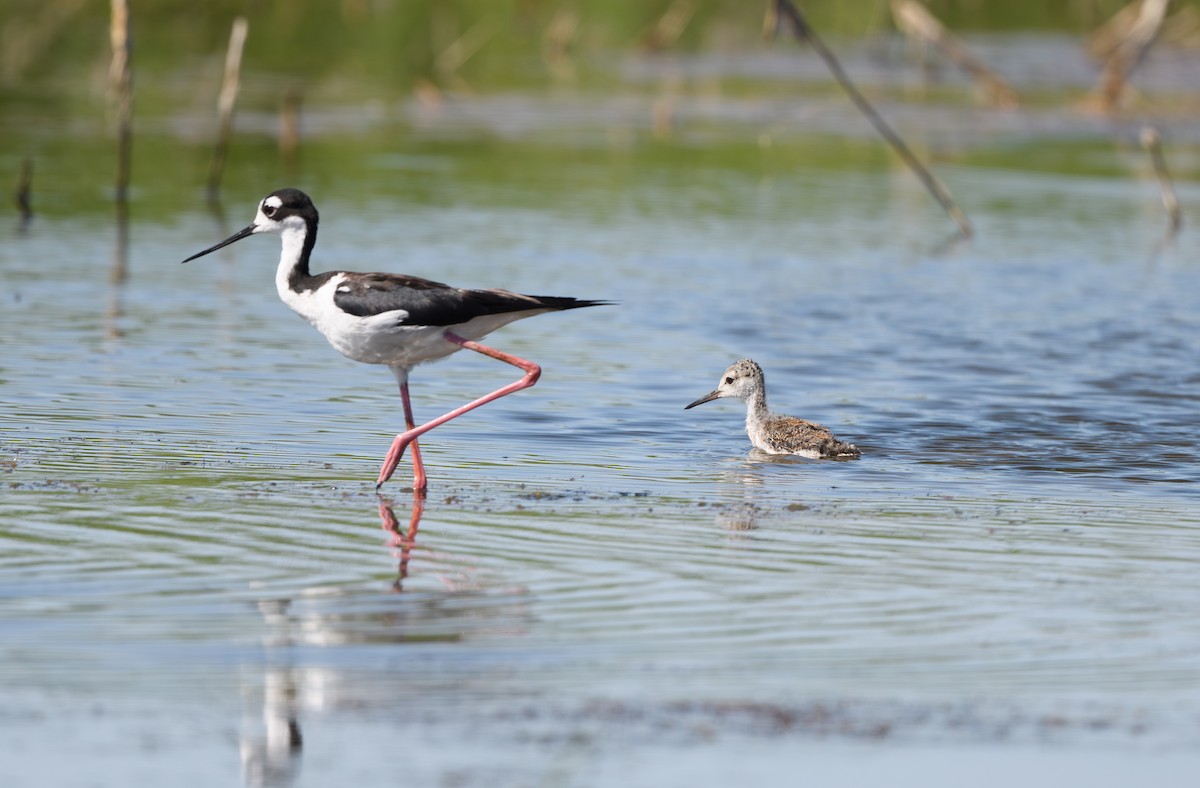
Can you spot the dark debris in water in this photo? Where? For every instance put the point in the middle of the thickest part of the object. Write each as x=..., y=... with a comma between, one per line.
x=56, y=485
x=687, y=722
x=545, y=495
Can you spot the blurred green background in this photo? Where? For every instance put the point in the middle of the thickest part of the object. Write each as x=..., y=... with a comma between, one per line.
x=390, y=44
x=365, y=74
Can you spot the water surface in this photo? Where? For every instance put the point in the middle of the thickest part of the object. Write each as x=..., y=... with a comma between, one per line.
x=198, y=583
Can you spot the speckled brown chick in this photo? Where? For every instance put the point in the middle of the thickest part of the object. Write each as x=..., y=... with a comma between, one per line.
x=771, y=433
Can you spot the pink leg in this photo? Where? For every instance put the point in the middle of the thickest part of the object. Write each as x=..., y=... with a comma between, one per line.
x=532, y=373
x=419, y=482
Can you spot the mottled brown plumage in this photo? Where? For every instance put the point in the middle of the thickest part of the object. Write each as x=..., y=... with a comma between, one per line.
x=775, y=434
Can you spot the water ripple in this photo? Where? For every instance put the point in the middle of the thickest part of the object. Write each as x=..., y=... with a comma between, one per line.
x=195, y=489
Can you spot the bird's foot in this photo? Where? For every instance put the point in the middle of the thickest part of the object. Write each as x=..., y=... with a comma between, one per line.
x=394, y=455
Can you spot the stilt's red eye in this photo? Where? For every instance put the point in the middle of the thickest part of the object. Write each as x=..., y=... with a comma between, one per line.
x=268, y=210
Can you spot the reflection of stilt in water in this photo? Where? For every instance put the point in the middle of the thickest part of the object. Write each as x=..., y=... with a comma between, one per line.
x=118, y=274
x=740, y=514
x=404, y=541
x=271, y=756
x=739, y=517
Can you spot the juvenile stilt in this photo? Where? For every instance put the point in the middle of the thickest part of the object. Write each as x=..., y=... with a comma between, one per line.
x=775, y=434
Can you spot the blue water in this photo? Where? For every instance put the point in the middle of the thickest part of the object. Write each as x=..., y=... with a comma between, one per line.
x=602, y=583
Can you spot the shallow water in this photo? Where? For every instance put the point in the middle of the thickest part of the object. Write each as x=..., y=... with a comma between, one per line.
x=605, y=589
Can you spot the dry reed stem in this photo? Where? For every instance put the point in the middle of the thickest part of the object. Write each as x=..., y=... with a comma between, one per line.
x=289, y=127
x=1129, y=50
x=24, y=40
x=226, y=102
x=1104, y=40
x=914, y=20
x=120, y=78
x=784, y=9
x=556, y=43
x=670, y=25
x=465, y=47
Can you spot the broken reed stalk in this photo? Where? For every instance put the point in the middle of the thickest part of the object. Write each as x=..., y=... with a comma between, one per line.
x=463, y=48
x=556, y=43
x=1179, y=28
x=670, y=25
x=29, y=39
x=1152, y=142
x=1104, y=40
x=24, y=189
x=225, y=104
x=120, y=78
x=915, y=21
x=802, y=31
x=289, y=128
x=1129, y=51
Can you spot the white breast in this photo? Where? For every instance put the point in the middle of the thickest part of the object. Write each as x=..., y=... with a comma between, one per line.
x=379, y=339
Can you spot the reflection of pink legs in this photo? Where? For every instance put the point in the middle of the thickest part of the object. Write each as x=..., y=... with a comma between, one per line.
x=406, y=540
x=532, y=373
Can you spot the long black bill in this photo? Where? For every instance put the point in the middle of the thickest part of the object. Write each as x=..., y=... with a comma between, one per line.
x=239, y=235
x=704, y=399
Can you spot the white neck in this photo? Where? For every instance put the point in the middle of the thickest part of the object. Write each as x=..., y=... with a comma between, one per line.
x=756, y=412
x=289, y=259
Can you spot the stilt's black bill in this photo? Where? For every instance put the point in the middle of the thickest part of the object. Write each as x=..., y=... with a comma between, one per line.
x=239, y=235
x=702, y=400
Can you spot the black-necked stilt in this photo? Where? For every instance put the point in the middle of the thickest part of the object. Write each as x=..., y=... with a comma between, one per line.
x=391, y=319
x=771, y=433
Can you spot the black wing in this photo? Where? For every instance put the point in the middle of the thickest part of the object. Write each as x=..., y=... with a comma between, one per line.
x=433, y=303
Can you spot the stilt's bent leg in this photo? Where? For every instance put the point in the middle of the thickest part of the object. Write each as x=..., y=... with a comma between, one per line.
x=532, y=373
